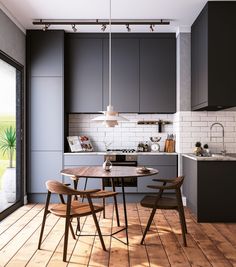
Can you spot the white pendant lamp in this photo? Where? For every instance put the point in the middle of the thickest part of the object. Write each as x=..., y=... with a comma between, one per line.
x=110, y=117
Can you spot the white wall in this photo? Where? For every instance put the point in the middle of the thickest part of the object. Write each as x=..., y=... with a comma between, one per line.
x=125, y=135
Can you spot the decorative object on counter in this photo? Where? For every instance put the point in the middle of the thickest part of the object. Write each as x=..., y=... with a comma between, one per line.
x=107, y=165
x=74, y=144
x=169, y=144
x=206, y=151
x=160, y=123
x=143, y=170
x=143, y=147
x=155, y=147
x=85, y=143
x=110, y=117
x=198, y=151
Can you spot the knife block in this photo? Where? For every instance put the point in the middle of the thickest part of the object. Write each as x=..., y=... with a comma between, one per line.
x=169, y=146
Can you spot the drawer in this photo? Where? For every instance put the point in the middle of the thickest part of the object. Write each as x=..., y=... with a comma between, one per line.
x=83, y=160
x=150, y=160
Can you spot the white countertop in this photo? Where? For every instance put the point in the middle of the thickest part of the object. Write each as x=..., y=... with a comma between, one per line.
x=115, y=153
x=215, y=157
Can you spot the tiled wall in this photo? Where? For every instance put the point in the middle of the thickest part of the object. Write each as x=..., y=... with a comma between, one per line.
x=125, y=135
x=191, y=127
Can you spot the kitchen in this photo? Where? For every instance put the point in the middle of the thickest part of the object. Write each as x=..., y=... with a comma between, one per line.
x=63, y=100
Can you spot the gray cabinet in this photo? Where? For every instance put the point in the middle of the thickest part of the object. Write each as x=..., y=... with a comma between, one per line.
x=143, y=72
x=165, y=164
x=45, y=70
x=209, y=188
x=213, y=57
x=158, y=75
x=125, y=74
x=84, y=80
x=45, y=52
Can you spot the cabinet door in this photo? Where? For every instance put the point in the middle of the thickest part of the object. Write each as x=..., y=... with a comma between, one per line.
x=125, y=74
x=84, y=74
x=46, y=53
x=46, y=111
x=158, y=75
x=45, y=165
x=200, y=61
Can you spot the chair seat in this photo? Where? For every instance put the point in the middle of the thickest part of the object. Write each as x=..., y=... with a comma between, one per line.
x=163, y=202
x=78, y=209
x=103, y=193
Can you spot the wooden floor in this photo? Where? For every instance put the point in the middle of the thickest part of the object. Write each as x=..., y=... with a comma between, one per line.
x=208, y=244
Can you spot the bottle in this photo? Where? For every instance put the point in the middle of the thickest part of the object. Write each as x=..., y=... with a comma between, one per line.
x=107, y=165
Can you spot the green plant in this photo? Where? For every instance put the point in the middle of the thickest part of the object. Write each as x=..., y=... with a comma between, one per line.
x=206, y=146
x=198, y=144
x=8, y=143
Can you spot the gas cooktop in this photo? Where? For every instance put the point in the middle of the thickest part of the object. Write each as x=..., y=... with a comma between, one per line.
x=122, y=150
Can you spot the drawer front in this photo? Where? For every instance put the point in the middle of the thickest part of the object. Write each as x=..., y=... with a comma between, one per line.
x=83, y=160
x=164, y=172
x=154, y=160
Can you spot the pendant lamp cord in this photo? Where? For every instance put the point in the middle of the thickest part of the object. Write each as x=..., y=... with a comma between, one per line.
x=110, y=57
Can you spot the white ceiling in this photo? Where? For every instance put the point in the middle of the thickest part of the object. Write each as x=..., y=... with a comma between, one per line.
x=182, y=13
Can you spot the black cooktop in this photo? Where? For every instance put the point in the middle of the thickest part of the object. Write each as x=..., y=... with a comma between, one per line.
x=122, y=150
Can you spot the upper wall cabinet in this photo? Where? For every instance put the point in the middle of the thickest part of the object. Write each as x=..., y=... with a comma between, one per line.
x=214, y=57
x=158, y=74
x=143, y=72
x=125, y=74
x=84, y=65
x=46, y=53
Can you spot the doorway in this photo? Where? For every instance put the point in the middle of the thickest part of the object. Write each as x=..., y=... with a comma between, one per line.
x=11, y=135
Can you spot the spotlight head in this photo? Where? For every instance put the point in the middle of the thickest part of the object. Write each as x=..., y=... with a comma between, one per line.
x=152, y=27
x=103, y=28
x=45, y=27
x=128, y=28
x=74, y=29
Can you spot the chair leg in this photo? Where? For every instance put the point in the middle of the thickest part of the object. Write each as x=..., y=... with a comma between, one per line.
x=44, y=219
x=104, y=206
x=78, y=228
x=96, y=224
x=72, y=230
x=67, y=225
x=181, y=218
x=148, y=224
x=115, y=203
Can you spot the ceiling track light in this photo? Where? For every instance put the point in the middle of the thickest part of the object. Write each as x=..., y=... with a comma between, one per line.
x=45, y=27
x=103, y=28
x=152, y=27
x=128, y=28
x=74, y=29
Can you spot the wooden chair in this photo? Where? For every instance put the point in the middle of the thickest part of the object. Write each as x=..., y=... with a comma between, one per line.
x=69, y=210
x=102, y=194
x=162, y=202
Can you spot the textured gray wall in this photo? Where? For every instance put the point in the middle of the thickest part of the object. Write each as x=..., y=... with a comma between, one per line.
x=12, y=41
x=183, y=72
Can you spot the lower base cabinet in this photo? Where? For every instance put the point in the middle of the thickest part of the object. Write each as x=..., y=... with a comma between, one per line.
x=209, y=188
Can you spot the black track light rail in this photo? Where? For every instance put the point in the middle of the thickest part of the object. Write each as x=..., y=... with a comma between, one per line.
x=102, y=22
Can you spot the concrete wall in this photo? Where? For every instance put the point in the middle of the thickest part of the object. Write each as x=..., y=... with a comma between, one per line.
x=12, y=41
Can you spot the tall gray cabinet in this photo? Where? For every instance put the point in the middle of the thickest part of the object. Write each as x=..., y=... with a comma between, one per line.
x=45, y=70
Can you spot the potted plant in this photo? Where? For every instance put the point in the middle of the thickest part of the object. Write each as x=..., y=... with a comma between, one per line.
x=8, y=145
x=198, y=149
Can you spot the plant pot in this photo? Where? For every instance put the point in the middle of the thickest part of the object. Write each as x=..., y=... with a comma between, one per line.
x=9, y=184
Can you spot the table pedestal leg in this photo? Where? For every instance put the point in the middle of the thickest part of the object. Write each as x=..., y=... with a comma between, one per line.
x=125, y=211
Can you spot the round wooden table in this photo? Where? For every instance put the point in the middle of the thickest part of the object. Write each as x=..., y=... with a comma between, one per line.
x=120, y=172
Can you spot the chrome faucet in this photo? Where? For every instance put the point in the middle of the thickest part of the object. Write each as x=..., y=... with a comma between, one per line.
x=223, y=152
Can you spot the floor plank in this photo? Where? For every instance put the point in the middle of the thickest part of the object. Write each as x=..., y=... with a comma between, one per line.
x=208, y=244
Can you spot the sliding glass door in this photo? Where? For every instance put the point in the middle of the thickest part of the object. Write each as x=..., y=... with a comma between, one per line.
x=11, y=156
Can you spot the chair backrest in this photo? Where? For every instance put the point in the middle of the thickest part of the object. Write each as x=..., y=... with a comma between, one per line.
x=178, y=181
x=59, y=188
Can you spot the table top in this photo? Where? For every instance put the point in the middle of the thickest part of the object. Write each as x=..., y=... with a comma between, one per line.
x=98, y=172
